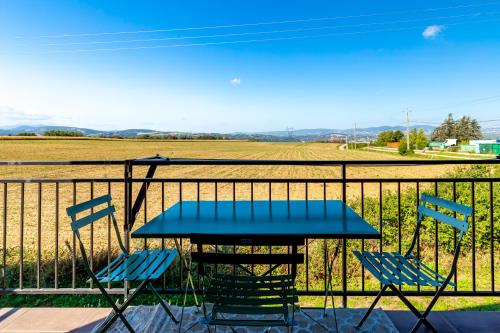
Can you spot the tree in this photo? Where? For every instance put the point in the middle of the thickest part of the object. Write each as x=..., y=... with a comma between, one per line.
x=418, y=139
x=403, y=148
x=388, y=136
x=463, y=129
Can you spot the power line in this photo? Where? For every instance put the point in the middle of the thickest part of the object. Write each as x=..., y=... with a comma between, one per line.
x=225, y=26
x=246, y=41
x=271, y=31
x=473, y=101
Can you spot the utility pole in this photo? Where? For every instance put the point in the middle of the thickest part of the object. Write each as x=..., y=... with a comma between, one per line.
x=355, y=138
x=346, y=143
x=407, y=129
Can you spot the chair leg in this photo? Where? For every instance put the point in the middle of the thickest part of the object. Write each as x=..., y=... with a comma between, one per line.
x=370, y=309
x=117, y=311
x=421, y=318
x=162, y=303
x=429, y=307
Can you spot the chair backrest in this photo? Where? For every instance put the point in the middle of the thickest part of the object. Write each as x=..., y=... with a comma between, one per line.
x=73, y=211
x=93, y=212
x=242, y=259
x=460, y=224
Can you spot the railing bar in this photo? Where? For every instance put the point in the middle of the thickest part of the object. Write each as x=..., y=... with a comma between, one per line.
x=399, y=221
x=492, y=243
x=473, y=198
x=73, y=250
x=380, y=218
x=436, y=233
x=307, y=240
x=21, y=243
x=56, y=240
x=145, y=216
x=164, y=275
x=252, y=249
x=455, y=237
x=4, y=238
x=109, y=237
x=244, y=180
x=325, y=246
x=91, y=236
x=187, y=161
x=418, y=234
x=271, y=213
x=344, y=241
x=288, y=203
x=216, y=190
x=381, y=215
x=181, y=270
x=234, y=203
x=362, y=241
x=39, y=237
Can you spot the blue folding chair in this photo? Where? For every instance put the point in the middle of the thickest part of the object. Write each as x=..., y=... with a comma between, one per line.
x=141, y=266
x=393, y=269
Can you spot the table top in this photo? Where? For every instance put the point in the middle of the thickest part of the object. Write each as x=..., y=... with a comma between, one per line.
x=320, y=219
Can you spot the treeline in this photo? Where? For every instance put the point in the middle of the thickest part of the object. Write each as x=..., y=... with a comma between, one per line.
x=418, y=139
x=63, y=133
x=183, y=137
x=463, y=129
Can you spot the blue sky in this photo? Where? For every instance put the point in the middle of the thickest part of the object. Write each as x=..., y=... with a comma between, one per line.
x=247, y=66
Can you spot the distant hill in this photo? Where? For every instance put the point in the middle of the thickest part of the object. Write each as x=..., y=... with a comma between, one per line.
x=315, y=134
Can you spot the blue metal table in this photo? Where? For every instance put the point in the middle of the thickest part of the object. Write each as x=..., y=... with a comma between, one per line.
x=258, y=222
x=285, y=219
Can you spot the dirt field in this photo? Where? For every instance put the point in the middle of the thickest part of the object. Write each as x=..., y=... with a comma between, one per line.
x=160, y=197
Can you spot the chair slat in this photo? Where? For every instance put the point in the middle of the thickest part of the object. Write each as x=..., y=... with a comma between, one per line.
x=251, y=310
x=250, y=323
x=369, y=266
x=456, y=223
x=250, y=285
x=266, y=278
x=149, y=266
x=230, y=258
x=78, y=208
x=134, y=259
x=112, y=265
x=433, y=274
x=252, y=293
x=382, y=270
x=394, y=268
x=451, y=205
x=424, y=279
x=172, y=255
x=77, y=224
x=136, y=268
x=415, y=278
x=253, y=301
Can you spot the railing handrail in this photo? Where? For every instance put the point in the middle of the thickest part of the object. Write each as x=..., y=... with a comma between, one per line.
x=195, y=161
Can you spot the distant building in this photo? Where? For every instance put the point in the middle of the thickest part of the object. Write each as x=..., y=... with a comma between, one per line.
x=474, y=145
x=450, y=142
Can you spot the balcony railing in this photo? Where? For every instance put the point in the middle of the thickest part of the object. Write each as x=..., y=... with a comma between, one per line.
x=38, y=250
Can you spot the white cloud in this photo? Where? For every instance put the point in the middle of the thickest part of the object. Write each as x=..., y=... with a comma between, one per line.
x=432, y=31
x=235, y=81
x=9, y=115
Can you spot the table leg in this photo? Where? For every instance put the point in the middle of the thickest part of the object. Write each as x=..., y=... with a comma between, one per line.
x=189, y=280
x=329, y=285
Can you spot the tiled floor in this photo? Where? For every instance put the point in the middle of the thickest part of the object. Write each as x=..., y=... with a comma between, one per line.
x=80, y=320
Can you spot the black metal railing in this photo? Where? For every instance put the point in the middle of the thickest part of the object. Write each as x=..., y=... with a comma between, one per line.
x=36, y=262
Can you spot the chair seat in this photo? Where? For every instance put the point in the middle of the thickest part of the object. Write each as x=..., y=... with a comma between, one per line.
x=394, y=268
x=138, y=266
x=251, y=300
